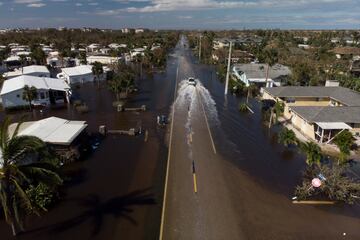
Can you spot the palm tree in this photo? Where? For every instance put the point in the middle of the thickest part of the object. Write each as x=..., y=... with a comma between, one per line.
x=344, y=142
x=29, y=94
x=313, y=153
x=287, y=137
x=18, y=170
x=123, y=81
x=97, y=70
x=271, y=58
x=23, y=60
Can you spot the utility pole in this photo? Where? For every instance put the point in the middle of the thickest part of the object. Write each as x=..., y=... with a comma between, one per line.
x=228, y=70
x=200, y=48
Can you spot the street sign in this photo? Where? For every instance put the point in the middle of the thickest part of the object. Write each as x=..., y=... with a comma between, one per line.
x=316, y=182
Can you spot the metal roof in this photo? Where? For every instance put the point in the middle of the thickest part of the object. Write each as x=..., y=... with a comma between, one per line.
x=257, y=71
x=37, y=82
x=333, y=125
x=78, y=70
x=344, y=95
x=54, y=130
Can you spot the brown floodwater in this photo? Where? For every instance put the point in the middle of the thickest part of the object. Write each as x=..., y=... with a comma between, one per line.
x=116, y=193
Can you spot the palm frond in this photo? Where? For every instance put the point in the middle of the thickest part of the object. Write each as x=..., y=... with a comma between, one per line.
x=43, y=175
x=23, y=196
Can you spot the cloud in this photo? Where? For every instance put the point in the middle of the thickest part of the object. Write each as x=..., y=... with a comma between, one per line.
x=28, y=1
x=188, y=5
x=36, y=5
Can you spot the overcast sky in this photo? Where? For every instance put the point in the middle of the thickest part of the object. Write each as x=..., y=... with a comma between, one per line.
x=182, y=14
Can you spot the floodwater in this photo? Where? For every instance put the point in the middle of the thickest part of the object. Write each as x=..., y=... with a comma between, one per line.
x=116, y=193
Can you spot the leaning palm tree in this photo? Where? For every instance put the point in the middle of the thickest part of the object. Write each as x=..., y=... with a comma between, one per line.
x=22, y=164
x=287, y=137
x=313, y=153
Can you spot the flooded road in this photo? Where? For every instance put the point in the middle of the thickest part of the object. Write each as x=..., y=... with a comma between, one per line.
x=244, y=179
x=244, y=183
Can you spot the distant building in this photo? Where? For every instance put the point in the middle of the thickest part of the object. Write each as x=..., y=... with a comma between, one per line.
x=139, y=30
x=221, y=43
x=93, y=48
x=106, y=60
x=355, y=68
x=49, y=91
x=256, y=73
x=346, y=52
x=136, y=52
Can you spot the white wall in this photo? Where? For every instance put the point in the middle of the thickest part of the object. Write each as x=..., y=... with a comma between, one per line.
x=15, y=99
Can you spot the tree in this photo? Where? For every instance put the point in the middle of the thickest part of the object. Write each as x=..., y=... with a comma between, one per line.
x=123, y=80
x=23, y=163
x=29, y=94
x=313, y=153
x=337, y=186
x=271, y=58
x=82, y=57
x=287, y=137
x=344, y=142
x=97, y=70
x=23, y=60
x=38, y=56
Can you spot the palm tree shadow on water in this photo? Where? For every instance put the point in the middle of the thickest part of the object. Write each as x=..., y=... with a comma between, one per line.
x=97, y=210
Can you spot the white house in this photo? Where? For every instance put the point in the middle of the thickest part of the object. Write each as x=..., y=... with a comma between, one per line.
x=49, y=91
x=139, y=30
x=106, y=60
x=52, y=130
x=33, y=70
x=256, y=73
x=93, y=47
x=137, y=51
x=116, y=46
x=78, y=74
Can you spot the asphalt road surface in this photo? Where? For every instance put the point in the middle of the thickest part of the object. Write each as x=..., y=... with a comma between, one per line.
x=208, y=196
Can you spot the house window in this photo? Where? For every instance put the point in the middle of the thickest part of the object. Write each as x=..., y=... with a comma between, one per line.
x=18, y=96
x=42, y=95
x=290, y=100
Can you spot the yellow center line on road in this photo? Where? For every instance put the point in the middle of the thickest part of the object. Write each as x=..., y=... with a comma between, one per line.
x=168, y=161
x=195, y=183
x=206, y=120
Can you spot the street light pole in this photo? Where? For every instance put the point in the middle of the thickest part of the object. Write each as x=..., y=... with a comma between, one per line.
x=200, y=48
x=228, y=70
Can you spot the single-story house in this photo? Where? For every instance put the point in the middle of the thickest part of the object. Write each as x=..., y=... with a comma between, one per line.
x=106, y=60
x=221, y=43
x=63, y=136
x=137, y=51
x=49, y=91
x=256, y=73
x=355, y=68
x=93, y=47
x=348, y=52
x=33, y=70
x=318, y=112
x=52, y=130
x=323, y=123
x=78, y=74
